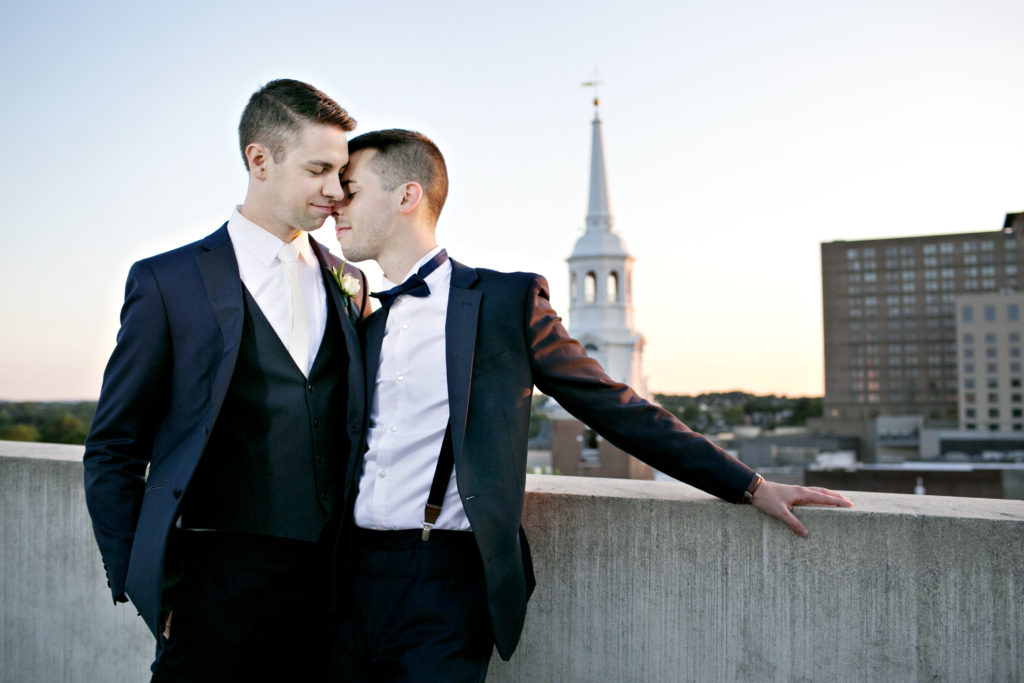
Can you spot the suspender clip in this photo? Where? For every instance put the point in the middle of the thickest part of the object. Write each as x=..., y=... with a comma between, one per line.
x=430, y=515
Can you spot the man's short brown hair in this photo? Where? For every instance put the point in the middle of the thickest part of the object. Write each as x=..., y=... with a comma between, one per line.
x=407, y=156
x=277, y=111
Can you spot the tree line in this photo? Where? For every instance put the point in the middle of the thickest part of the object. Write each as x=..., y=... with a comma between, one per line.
x=47, y=421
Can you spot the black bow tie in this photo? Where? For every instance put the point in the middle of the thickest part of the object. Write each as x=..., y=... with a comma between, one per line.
x=415, y=284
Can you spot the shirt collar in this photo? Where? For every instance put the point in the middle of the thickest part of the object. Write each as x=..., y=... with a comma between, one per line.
x=261, y=244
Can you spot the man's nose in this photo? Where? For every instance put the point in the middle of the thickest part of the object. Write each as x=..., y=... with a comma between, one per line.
x=332, y=187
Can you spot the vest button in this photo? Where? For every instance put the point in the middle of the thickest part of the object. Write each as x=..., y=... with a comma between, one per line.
x=316, y=421
x=176, y=493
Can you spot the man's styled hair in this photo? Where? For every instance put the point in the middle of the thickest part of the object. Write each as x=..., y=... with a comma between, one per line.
x=277, y=111
x=407, y=156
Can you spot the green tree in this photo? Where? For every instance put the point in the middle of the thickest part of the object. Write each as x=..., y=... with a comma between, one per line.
x=65, y=428
x=19, y=432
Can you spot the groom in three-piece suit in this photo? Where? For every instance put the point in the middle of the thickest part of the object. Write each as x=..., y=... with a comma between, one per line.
x=237, y=381
x=443, y=571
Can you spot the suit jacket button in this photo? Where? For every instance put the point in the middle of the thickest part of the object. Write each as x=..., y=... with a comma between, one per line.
x=176, y=493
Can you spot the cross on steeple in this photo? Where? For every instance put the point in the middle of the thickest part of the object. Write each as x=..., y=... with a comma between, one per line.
x=594, y=84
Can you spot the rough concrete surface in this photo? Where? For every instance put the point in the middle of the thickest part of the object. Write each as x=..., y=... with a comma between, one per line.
x=637, y=581
x=57, y=621
x=641, y=581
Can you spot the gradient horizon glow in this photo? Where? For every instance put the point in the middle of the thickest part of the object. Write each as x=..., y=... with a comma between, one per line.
x=738, y=136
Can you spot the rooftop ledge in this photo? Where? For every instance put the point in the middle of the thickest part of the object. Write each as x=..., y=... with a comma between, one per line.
x=637, y=581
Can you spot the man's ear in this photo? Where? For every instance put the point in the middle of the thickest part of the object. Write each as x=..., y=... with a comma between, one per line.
x=412, y=196
x=258, y=157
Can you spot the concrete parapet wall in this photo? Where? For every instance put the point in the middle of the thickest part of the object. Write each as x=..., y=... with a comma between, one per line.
x=57, y=621
x=654, y=581
x=637, y=581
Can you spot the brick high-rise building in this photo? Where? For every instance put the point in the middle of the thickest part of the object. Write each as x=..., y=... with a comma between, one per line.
x=889, y=310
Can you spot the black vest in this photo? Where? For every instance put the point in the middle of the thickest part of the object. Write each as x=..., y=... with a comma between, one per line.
x=277, y=452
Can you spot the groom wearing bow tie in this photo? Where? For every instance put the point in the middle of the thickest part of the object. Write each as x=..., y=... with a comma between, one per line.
x=228, y=410
x=443, y=569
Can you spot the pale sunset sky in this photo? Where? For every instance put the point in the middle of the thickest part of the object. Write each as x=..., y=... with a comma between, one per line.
x=738, y=137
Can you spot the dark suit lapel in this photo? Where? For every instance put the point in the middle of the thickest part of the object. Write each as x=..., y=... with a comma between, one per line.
x=343, y=305
x=219, y=270
x=460, y=343
x=357, y=376
x=375, y=325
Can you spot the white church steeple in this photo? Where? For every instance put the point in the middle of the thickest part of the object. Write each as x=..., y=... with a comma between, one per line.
x=600, y=273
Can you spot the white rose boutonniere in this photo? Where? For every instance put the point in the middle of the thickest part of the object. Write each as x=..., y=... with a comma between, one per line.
x=348, y=285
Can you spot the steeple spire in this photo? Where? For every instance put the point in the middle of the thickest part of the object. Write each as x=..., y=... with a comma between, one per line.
x=599, y=217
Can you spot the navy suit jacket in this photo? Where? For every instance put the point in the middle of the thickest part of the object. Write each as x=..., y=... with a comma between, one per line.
x=503, y=338
x=181, y=326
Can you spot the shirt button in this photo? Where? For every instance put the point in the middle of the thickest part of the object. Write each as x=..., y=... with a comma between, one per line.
x=405, y=326
x=401, y=378
x=382, y=474
x=394, y=428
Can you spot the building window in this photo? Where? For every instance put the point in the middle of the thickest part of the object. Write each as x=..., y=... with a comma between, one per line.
x=968, y=368
x=967, y=314
x=970, y=426
x=969, y=383
x=968, y=338
x=991, y=368
x=992, y=382
x=1013, y=313
x=590, y=288
x=990, y=352
x=990, y=314
x=968, y=353
x=970, y=413
x=993, y=427
x=993, y=413
x=613, y=287
x=573, y=292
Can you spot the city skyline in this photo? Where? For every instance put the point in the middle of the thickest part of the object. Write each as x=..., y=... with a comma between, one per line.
x=738, y=138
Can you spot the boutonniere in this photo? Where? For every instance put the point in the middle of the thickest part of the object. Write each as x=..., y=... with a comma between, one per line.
x=348, y=285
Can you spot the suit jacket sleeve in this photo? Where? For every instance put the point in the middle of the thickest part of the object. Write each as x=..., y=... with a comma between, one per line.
x=563, y=370
x=131, y=405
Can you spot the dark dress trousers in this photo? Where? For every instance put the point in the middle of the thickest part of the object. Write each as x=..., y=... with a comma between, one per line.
x=503, y=338
x=234, y=439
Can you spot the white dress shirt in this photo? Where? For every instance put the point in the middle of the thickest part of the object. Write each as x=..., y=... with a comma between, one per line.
x=409, y=414
x=264, y=276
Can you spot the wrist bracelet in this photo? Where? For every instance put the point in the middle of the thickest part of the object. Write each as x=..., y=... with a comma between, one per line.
x=748, y=495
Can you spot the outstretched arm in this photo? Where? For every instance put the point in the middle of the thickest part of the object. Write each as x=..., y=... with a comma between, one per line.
x=775, y=500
